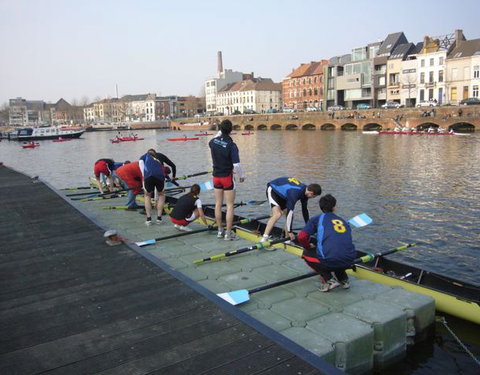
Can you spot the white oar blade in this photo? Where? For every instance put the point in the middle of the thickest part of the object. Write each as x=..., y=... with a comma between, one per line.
x=360, y=220
x=236, y=297
x=207, y=185
x=145, y=243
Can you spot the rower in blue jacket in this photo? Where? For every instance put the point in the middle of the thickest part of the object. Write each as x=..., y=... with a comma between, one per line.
x=282, y=194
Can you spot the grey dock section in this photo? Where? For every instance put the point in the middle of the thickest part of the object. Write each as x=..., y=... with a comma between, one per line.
x=366, y=327
x=70, y=304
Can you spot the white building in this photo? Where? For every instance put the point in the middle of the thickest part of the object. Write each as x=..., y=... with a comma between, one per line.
x=255, y=94
x=89, y=114
x=139, y=108
x=214, y=85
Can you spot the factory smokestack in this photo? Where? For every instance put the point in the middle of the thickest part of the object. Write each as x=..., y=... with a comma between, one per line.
x=219, y=62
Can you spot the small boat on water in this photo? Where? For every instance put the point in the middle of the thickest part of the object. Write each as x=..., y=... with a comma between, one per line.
x=401, y=132
x=126, y=139
x=60, y=139
x=43, y=132
x=203, y=134
x=30, y=145
x=453, y=297
x=247, y=133
x=183, y=139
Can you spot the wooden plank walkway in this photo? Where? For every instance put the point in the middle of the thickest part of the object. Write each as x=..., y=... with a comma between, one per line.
x=70, y=304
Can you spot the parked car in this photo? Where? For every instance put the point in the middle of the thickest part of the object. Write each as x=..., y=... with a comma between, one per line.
x=249, y=112
x=289, y=110
x=272, y=110
x=470, y=101
x=363, y=106
x=312, y=109
x=335, y=108
x=392, y=104
x=427, y=103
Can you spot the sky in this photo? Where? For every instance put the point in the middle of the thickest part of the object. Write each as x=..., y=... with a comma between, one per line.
x=80, y=50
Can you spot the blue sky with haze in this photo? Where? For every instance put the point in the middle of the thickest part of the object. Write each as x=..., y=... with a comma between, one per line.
x=73, y=49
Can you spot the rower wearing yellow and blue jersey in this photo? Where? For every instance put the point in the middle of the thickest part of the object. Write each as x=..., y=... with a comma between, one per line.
x=334, y=251
x=283, y=193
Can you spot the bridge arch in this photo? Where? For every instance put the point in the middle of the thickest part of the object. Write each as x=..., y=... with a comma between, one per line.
x=262, y=127
x=462, y=127
x=276, y=127
x=348, y=127
x=309, y=127
x=237, y=127
x=372, y=126
x=249, y=127
x=327, y=127
x=291, y=127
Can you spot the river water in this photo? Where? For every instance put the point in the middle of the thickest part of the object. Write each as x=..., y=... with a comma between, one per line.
x=423, y=189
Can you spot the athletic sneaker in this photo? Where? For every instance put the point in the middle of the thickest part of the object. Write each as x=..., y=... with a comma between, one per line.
x=159, y=220
x=329, y=285
x=148, y=222
x=230, y=236
x=265, y=239
x=220, y=234
x=345, y=284
x=183, y=228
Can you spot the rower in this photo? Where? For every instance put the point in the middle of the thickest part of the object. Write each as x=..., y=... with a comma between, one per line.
x=187, y=209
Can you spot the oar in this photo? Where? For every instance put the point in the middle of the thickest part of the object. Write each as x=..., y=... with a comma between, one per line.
x=78, y=188
x=258, y=245
x=247, y=203
x=102, y=194
x=100, y=198
x=262, y=245
x=191, y=175
x=154, y=240
x=237, y=297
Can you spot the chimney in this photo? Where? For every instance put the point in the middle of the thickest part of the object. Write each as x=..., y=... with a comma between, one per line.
x=459, y=37
x=219, y=62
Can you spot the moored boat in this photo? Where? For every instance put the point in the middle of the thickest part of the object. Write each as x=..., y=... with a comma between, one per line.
x=401, y=132
x=40, y=133
x=184, y=139
x=30, y=145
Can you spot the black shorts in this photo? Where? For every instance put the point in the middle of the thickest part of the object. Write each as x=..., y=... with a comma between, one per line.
x=152, y=183
x=275, y=200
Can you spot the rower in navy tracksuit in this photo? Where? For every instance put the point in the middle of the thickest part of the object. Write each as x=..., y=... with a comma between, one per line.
x=283, y=193
x=153, y=179
x=334, y=250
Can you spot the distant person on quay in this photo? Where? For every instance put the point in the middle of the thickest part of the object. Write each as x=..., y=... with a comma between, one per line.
x=282, y=194
x=334, y=251
x=226, y=163
x=187, y=209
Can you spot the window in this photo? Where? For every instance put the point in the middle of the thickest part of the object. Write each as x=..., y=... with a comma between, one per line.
x=422, y=63
x=475, y=91
x=422, y=95
x=422, y=77
x=440, y=60
x=430, y=94
x=430, y=77
x=440, y=76
x=476, y=71
x=432, y=61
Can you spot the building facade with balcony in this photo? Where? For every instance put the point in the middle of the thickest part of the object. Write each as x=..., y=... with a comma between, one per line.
x=336, y=66
x=24, y=112
x=304, y=87
x=395, y=74
x=256, y=94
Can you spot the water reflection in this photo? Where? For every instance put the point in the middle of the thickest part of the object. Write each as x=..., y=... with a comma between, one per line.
x=416, y=188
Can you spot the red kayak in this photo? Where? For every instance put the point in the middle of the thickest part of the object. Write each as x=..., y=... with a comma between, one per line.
x=184, y=139
x=30, y=145
x=247, y=133
x=411, y=133
x=203, y=134
x=129, y=139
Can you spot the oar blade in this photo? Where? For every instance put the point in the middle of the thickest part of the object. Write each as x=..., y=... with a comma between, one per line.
x=360, y=220
x=235, y=297
x=145, y=243
x=207, y=185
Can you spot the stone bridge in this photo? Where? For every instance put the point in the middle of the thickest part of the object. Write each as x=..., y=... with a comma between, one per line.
x=463, y=118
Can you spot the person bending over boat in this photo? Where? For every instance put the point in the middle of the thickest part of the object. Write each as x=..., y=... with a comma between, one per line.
x=187, y=209
x=226, y=162
x=334, y=251
x=153, y=179
x=130, y=178
x=282, y=194
x=103, y=169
